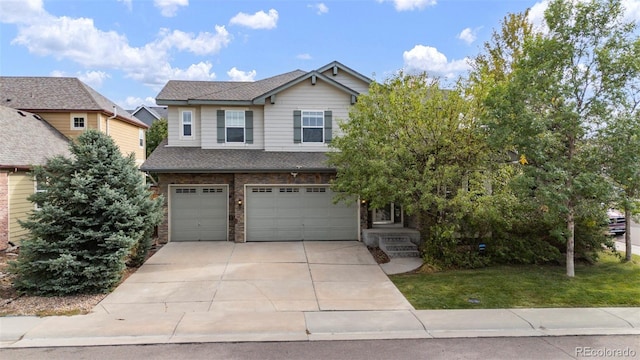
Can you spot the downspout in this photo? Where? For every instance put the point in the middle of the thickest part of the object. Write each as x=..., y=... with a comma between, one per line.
x=115, y=113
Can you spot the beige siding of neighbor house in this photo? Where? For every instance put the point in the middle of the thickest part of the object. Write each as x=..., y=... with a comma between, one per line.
x=348, y=80
x=21, y=185
x=62, y=122
x=303, y=96
x=209, y=129
x=175, y=124
x=126, y=136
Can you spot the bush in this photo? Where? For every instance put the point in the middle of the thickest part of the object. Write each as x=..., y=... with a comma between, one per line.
x=95, y=213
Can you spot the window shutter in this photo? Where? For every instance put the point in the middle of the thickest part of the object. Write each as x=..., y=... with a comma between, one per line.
x=328, y=123
x=248, y=127
x=221, y=127
x=297, y=126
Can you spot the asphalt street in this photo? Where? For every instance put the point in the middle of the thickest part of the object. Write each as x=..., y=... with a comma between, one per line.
x=565, y=347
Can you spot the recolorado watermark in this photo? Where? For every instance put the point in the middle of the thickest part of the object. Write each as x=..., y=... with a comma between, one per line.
x=605, y=352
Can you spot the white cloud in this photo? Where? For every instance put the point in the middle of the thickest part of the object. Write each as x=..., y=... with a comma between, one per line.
x=127, y=3
x=304, y=56
x=409, y=5
x=22, y=11
x=430, y=60
x=169, y=8
x=203, y=44
x=632, y=10
x=132, y=102
x=78, y=40
x=259, y=20
x=238, y=75
x=468, y=35
x=320, y=8
x=93, y=78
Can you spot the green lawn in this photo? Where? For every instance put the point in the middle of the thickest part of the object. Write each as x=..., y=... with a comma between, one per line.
x=607, y=283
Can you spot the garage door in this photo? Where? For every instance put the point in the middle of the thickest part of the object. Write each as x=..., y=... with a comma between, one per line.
x=281, y=213
x=198, y=213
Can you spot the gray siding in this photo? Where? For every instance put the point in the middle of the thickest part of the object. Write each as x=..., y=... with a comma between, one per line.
x=304, y=96
x=209, y=129
x=348, y=80
x=174, y=127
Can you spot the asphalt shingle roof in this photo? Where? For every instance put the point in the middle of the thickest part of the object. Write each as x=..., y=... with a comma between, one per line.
x=195, y=160
x=27, y=140
x=55, y=94
x=224, y=90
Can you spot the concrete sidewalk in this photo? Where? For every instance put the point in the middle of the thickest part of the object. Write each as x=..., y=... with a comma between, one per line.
x=194, y=327
x=300, y=291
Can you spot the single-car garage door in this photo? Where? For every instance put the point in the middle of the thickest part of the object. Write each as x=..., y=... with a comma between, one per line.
x=198, y=213
x=281, y=213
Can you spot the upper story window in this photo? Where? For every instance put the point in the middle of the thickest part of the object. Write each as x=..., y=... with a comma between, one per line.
x=312, y=126
x=186, y=129
x=78, y=121
x=141, y=137
x=234, y=125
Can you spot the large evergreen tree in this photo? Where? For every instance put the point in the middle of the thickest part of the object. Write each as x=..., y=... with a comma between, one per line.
x=94, y=213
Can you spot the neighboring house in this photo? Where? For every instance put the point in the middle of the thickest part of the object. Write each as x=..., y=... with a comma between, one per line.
x=149, y=114
x=25, y=140
x=246, y=161
x=72, y=107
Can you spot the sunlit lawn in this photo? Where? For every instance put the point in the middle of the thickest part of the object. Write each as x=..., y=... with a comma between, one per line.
x=607, y=283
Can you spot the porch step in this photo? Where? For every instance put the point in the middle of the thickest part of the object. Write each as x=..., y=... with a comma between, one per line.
x=398, y=246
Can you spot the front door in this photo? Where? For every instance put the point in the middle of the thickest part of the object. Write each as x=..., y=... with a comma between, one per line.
x=391, y=214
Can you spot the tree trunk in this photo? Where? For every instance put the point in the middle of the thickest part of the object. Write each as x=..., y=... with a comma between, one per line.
x=571, y=225
x=627, y=233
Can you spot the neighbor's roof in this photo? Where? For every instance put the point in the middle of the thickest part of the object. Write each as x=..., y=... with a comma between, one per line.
x=158, y=112
x=178, y=92
x=41, y=94
x=27, y=140
x=166, y=159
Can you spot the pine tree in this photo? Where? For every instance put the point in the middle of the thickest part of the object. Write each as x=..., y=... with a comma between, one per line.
x=94, y=214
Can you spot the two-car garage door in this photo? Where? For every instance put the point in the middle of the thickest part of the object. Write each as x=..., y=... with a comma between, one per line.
x=282, y=213
x=272, y=213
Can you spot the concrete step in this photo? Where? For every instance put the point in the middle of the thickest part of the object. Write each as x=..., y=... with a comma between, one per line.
x=398, y=246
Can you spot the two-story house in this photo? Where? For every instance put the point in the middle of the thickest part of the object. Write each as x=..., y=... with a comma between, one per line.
x=246, y=161
x=72, y=107
x=25, y=140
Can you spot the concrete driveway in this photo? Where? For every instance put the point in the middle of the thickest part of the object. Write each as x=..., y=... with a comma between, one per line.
x=256, y=277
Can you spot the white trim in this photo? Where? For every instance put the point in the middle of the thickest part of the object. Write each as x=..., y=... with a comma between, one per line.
x=182, y=123
x=74, y=116
x=244, y=127
x=245, y=204
x=302, y=127
x=170, y=195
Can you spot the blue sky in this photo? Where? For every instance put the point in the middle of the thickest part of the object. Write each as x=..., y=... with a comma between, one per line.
x=128, y=49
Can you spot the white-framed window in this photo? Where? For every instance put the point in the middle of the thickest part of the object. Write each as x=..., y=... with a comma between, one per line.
x=186, y=124
x=312, y=126
x=141, y=137
x=78, y=121
x=234, y=126
x=38, y=188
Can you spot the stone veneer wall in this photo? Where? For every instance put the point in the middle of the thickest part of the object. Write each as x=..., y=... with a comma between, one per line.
x=4, y=210
x=236, y=184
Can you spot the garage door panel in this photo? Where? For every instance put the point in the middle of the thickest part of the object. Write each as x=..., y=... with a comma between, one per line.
x=298, y=213
x=198, y=213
